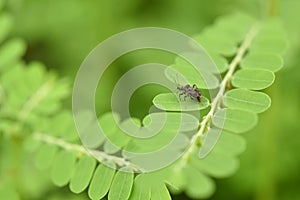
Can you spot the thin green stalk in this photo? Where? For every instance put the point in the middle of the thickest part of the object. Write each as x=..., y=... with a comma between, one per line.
x=204, y=125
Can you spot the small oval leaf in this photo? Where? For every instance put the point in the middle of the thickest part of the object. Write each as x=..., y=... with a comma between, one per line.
x=236, y=121
x=169, y=102
x=62, y=168
x=204, y=79
x=160, y=191
x=121, y=185
x=267, y=61
x=45, y=156
x=247, y=100
x=253, y=79
x=140, y=190
x=199, y=186
x=101, y=181
x=82, y=174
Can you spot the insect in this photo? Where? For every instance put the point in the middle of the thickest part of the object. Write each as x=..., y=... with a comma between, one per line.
x=190, y=91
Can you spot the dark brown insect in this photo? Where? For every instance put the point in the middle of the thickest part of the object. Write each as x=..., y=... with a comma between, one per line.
x=190, y=91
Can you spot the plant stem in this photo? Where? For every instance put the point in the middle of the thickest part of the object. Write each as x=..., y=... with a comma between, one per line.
x=81, y=150
x=217, y=100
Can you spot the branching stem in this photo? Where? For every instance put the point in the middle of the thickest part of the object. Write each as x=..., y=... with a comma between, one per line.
x=218, y=99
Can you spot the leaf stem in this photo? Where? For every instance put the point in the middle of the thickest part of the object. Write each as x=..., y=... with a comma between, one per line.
x=218, y=99
x=80, y=149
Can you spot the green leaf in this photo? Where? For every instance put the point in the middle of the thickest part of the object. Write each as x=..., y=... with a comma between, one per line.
x=9, y=192
x=140, y=190
x=210, y=164
x=198, y=185
x=162, y=131
x=101, y=181
x=82, y=174
x=221, y=62
x=5, y=26
x=217, y=45
x=188, y=74
x=230, y=144
x=187, y=122
x=236, y=121
x=247, y=100
x=253, y=79
x=11, y=51
x=109, y=148
x=112, y=131
x=160, y=192
x=62, y=168
x=45, y=156
x=31, y=144
x=226, y=26
x=29, y=91
x=169, y=102
x=121, y=185
x=269, y=43
x=267, y=61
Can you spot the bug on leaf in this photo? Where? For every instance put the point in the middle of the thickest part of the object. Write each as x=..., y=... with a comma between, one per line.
x=190, y=91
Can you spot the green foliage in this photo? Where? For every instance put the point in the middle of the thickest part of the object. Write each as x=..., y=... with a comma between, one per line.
x=101, y=181
x=168, y=101
x=247, y=100
x=31, y=102
x=253, y=79
x=121, y=185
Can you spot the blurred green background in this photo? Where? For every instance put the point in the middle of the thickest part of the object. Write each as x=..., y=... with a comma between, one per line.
x=61, y=33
